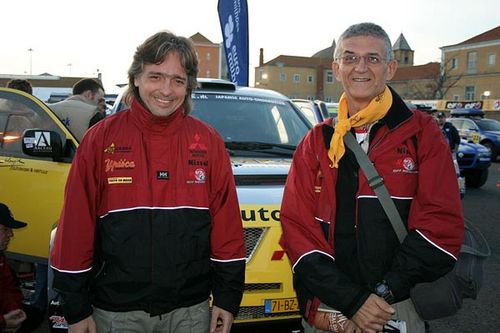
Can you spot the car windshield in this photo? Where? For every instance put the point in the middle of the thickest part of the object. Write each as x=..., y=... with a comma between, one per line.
x=488, y=124
x=252, y=126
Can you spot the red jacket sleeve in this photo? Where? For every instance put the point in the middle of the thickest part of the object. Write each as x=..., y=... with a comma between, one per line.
x=301, y=228
x=73, y=249
x=436, y=211
x=227, y=244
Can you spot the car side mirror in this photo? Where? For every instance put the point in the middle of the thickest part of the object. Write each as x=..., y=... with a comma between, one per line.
x=42, y=143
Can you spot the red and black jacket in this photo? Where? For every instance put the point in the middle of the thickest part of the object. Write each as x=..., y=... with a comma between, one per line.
x=150, y=219
x=336, y=233
x=11, y=296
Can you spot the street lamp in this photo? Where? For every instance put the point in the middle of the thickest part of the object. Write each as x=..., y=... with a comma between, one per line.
x=30, y=50
x=487, y=93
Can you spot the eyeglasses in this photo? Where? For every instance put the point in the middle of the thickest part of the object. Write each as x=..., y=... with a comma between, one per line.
x=354, y=59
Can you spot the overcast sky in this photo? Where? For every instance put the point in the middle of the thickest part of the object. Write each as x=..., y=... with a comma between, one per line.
x=78, y=38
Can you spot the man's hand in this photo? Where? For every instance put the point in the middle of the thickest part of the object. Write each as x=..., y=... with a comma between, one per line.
x=86, y=325
x=221, y=320
x=13, y=320
x=373, y=314
x=351, y=327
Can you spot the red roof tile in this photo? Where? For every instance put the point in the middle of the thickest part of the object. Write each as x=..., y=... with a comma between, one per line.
x=493, y=34
x=422, y=72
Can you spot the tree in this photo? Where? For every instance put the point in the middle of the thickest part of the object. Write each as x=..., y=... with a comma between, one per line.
x=445, y=81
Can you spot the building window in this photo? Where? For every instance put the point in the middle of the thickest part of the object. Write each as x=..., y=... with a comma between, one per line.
x=282, y=77
x=469, y=92
x=471, y=62
x=454, y=63
x=310, y=79
x=329, y=76
x=491, y=59
x=209, y=56
x=296, y=78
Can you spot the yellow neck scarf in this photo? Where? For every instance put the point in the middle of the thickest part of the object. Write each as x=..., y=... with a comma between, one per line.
x=376, y=110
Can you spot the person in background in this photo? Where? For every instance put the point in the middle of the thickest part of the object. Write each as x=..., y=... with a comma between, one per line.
x=344, y=251
x=20, y=84
x=82, y=109
x=450, y=132
x=151, y=226
x=12, y=314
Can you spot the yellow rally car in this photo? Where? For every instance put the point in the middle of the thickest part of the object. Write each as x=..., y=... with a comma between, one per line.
x=261, y=129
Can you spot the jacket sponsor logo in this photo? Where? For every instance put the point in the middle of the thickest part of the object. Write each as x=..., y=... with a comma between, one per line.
x=112, y=148
x=162, y=175
x=198, y=176
x=111, y=165
x=120, y=180
x=197, y=148
x=197, y=163
x=406, y=165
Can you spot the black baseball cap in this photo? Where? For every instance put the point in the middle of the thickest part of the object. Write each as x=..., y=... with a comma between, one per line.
x=8, y=220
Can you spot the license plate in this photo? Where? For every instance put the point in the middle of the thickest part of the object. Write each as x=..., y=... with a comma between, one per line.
x=281, y=305
x=476, y=137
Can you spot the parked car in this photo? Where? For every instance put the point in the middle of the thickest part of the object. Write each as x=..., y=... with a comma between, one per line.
x=332, y=109
x=472, y=126
x=473, y=161
x=261, y=129
x=315, y=111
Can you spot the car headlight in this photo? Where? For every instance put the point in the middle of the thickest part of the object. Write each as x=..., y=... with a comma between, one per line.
x=484, y=154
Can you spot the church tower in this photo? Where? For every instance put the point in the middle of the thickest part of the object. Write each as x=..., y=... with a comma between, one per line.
x=402, y=52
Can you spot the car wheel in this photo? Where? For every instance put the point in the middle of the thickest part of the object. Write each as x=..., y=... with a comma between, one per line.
x=476, y=178
x=490, y=146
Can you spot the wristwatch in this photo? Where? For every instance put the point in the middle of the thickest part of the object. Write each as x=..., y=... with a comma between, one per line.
x=382, y=290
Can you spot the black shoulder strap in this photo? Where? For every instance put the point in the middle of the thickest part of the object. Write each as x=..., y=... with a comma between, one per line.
x=377, y=184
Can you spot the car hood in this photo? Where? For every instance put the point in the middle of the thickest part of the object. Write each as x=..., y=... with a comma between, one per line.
x=491, y=132
x=260, y=182
x=470, y=147
x=258, y=166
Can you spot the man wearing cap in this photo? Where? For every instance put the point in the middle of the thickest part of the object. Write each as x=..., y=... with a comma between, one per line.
x=11, y=313
x=449, y=131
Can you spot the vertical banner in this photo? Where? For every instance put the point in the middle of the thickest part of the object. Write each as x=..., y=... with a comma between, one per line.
x=233, y=17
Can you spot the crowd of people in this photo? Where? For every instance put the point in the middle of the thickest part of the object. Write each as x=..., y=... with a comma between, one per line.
x=143, y=249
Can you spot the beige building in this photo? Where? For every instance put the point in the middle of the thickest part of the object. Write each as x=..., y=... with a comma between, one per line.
x=209, y=56
x=416, y=82
x=469, y=73
x=300, y=77
x=472, y=67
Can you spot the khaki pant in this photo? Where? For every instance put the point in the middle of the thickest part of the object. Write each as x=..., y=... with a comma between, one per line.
x=404, y=311
x=193, y=319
